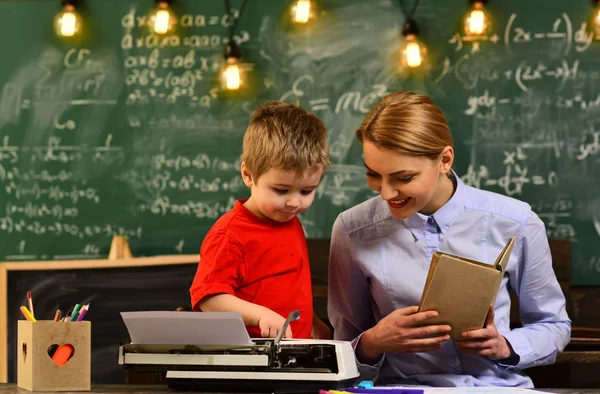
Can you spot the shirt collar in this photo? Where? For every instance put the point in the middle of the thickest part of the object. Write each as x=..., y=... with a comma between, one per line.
x=448, y=213
x=416, y=224
x=444, y=217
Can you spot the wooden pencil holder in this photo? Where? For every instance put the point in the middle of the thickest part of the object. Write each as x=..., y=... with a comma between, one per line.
x=37, y=371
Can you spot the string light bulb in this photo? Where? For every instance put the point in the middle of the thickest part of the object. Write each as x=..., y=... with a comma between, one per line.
x=301, y=11
x=161, y=19
x=413, y=51
x=67, y=23
x=232, y=74
x=477, y=22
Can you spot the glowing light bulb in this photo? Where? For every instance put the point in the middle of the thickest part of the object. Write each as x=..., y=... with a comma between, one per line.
x=232, y=74
x=301, y=11
x=161, y=19
x=477, y=22
x=413, y=52
x=68, y=24
x=68, y=21
x=161, y=23
x=595, y=22
x=233, y=78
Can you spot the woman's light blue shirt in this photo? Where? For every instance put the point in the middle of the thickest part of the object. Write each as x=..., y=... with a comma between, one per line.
x=379, y=263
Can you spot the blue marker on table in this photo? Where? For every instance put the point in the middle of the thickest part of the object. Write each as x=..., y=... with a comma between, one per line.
x=385, y=390
x=365, y=384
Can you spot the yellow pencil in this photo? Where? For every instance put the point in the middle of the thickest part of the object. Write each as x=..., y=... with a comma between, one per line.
x=27, y=314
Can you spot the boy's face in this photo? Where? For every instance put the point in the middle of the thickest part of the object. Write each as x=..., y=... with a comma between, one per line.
x=280, y=195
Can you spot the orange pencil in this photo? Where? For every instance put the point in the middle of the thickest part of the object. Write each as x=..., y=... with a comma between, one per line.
x=30, y=303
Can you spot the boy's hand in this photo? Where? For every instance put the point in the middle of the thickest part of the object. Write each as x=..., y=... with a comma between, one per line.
x=320, y=330
x=270, y=323
x=486, y=342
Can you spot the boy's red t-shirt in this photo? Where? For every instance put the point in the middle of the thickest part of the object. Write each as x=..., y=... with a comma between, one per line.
x=259, y=261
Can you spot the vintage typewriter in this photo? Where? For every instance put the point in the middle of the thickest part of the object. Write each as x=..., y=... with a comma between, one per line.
x=262, y=365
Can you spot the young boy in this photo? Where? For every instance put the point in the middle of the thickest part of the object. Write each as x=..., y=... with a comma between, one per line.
x=254, y=259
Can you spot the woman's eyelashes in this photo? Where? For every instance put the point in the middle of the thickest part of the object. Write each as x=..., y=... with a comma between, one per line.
x=406, y=179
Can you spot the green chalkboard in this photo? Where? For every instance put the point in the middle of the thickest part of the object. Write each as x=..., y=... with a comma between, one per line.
x=128, y=133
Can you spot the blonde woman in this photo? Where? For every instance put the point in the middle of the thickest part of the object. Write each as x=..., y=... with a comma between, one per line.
x=381, y=249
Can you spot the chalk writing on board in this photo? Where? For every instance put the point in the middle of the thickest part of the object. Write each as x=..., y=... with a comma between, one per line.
x=556, y=213
x=200, y=209
x=342, y=183
x=8, y=225
x=164, y=76
x=472, y=70
x=42, y=210
x=189, y=122
x=577, y=102
x=131, y=19
x=487, y=101
x=193, y=41
x=562, y=30
x=513, y=180
x=52, y=193
x=590, y=148
x=54, y=151
x=356, y=101
x=594, y=264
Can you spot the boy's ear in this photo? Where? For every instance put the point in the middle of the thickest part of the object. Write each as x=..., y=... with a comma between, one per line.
x=246, y=175
x=446, y=159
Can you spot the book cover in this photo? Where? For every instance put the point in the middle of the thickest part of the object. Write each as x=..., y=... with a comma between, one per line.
x=461, y=290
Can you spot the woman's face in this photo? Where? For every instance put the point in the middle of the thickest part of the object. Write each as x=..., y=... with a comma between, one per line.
x=409, y=184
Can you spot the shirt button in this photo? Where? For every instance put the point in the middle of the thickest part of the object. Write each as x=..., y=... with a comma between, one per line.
x=453, y=363
x=431, y=220
x=467, y=380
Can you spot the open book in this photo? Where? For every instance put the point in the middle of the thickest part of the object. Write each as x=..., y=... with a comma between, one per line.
x=461, y=290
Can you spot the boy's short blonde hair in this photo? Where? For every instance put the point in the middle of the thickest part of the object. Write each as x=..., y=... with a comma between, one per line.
x=286, y=137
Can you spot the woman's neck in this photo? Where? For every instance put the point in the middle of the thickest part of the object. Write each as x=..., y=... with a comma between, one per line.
x=443, y=194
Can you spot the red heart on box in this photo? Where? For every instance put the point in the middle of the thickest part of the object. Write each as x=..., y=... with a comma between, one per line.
x=61, y=354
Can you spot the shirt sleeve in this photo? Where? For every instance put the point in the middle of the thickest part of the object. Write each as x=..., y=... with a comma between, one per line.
x=546, y=327
x=221, y=268
x=349, y=298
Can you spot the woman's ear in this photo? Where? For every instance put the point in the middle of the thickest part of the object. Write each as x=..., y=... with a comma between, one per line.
x=446, y=159
x=246, y=175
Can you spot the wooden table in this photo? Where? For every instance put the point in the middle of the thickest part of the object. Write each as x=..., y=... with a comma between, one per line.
x=152, y=389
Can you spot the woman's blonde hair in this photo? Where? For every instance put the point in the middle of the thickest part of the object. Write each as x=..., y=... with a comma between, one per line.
x=408, y=122
x=286, y=137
